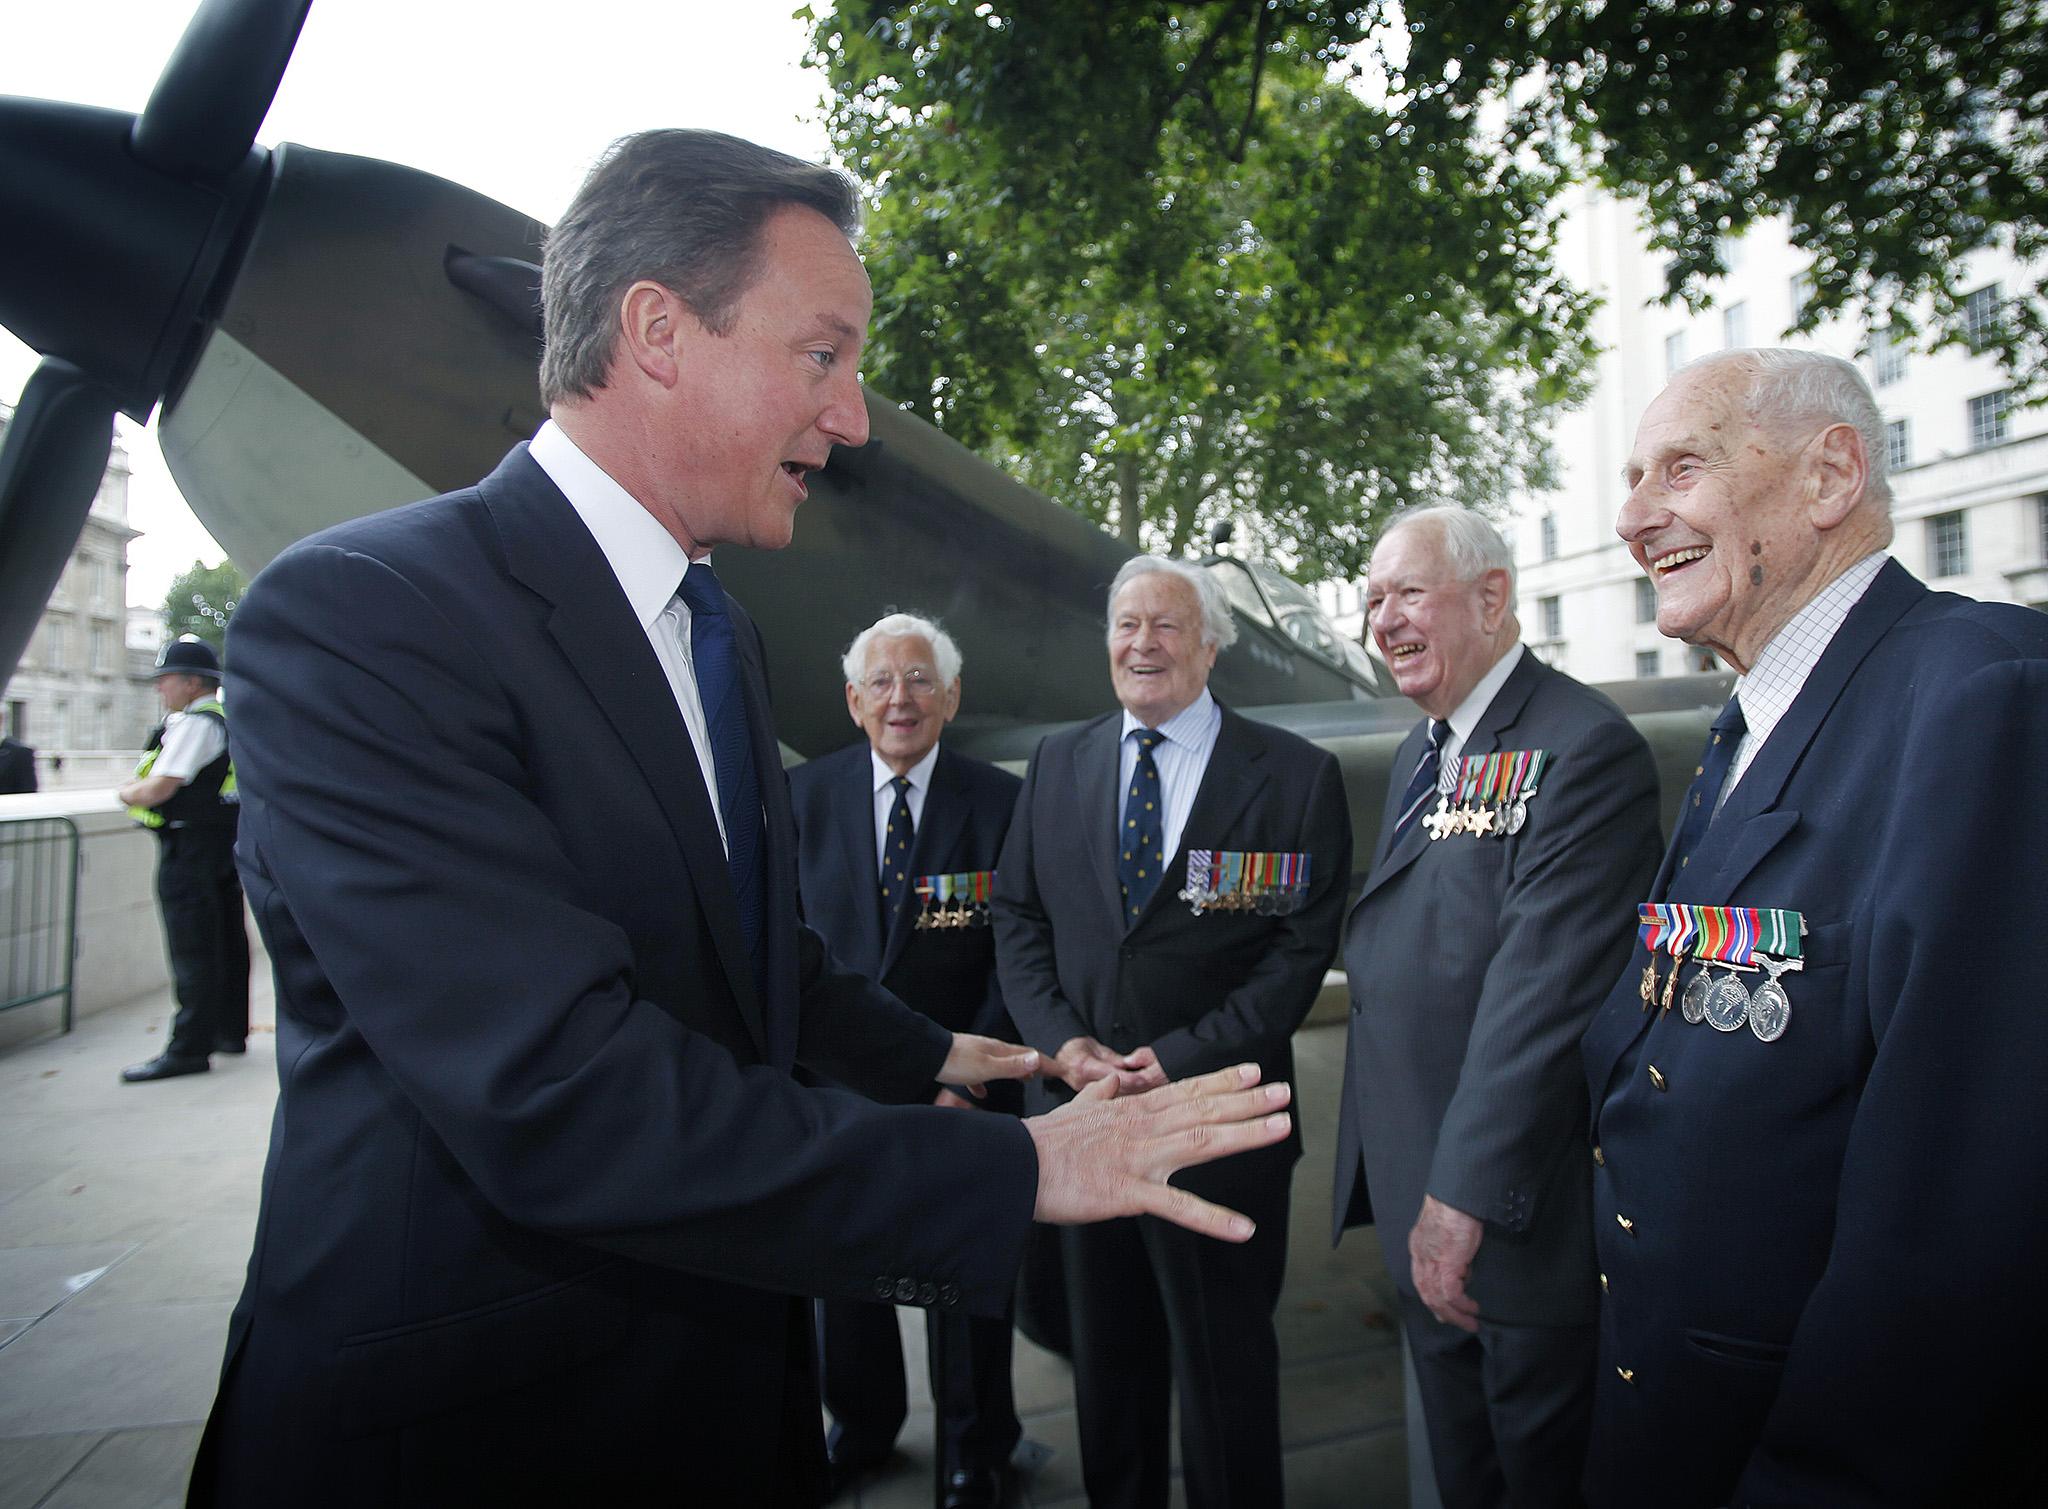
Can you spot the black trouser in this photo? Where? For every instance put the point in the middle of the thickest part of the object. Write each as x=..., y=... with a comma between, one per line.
x=860, y=1358
x=200, y=896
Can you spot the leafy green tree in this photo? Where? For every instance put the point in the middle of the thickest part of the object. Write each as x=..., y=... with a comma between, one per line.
x=201, y=601
x=1165, y=264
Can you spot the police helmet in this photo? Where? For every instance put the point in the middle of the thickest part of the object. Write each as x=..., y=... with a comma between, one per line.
x=187, y=655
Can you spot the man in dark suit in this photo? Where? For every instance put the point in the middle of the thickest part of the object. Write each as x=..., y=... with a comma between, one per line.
x=1168, y=902
x=1821, y=1225
x=1520, y=825
x=541, y=1191
x=897, y=839
x=17, y=765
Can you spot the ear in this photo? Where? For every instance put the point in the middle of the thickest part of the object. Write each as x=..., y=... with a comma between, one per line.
x=1838, y=475
x=952, y=703
x=1493, y=599
x=651, y=329
x=853, y=704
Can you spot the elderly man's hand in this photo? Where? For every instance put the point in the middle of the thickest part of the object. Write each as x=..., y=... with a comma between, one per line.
x=1102, y=1156
x=974, y=1060
x=1082, y=1061
x=1440, y=1253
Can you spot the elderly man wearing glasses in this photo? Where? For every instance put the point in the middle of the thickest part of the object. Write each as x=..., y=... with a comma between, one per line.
x=896, y=851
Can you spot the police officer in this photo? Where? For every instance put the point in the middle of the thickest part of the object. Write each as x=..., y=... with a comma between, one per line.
x=184, y=792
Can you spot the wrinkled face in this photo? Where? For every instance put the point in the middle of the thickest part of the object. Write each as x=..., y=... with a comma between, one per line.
x=1713, y=515
x=1157, y=660
x=1431, y=628
x=755, y=411
x=898, y=701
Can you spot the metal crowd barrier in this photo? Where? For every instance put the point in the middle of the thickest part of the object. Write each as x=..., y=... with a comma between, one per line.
x=38, y=911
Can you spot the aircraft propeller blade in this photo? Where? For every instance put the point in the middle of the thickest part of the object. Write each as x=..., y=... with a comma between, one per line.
x=202, y=116
x=56, y=451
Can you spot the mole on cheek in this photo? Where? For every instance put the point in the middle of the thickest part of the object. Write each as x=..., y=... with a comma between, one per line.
x=1756, y=576
x=1756, y=547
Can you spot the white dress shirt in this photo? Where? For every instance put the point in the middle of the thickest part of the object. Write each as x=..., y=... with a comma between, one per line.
x=920, y=778
x=1182, y=759
x=1768, y=691
x=1466, y=715
x=190, y=743
x=648, y=563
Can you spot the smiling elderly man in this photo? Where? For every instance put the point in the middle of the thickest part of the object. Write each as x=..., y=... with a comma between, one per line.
x=1520, y=824
x=1820, y=1139
x=1167, y=902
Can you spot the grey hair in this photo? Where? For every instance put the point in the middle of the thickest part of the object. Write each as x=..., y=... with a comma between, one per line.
x=683, y=208
x=1811, y=389
x=1218, y=627
x=902, y=626
x=1471, y=544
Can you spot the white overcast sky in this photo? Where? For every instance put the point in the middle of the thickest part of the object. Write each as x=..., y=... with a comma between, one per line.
x=513, y=98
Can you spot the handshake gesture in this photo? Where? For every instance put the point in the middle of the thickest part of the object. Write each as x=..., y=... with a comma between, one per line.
x=1109, y=1152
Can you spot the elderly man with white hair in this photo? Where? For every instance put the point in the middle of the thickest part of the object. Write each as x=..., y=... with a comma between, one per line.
x=1166, y=904
x=1820, y=1142
x=897, y=839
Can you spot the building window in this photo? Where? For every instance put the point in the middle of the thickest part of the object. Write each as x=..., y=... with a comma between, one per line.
x=2041, y=523
x=1646, y=600
x=1988, y=414
x=57, y=646
x=1552, y=611
x=60, y=723
x=1801, y=288
x=1546, y=530
x=1646, y=664
x=1674, y=352
x=102, y=637
x=1735, y=325
x=1980, y=316
x=1887, y=356
x=1898, y=444
x=1948, y=545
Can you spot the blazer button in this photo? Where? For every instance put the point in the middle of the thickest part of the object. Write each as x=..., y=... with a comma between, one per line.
x=1657, y=1078
x=1628, y=1375
x=927, y=1293
x=1626, y=1224
x=1598, y=1156
x=949, y=1295
x=885, y=1288
x=906, y=1291
x=1603, y=1283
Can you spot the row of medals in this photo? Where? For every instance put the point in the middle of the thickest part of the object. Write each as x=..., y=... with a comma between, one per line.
x=1726, y=1004
x=1274, y=901
x=1488, y=819
x=966, y=914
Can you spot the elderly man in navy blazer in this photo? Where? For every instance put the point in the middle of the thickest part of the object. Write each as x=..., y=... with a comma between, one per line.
x=1167, y=902
x=897, y=840
x=1820, y=1143
x=1520, y=825
x=542, y=1193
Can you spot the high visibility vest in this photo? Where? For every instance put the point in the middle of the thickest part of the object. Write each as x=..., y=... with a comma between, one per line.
x=209, y=799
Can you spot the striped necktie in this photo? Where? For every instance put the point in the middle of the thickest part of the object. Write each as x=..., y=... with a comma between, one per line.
x=1422, y=783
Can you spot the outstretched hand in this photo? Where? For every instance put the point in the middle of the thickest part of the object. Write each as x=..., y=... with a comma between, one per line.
x=974, y=1060
x=1101, y=1156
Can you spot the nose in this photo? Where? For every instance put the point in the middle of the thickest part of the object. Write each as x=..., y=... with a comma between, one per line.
x=1381, y=615
x=845, y=419
x=1640, y=513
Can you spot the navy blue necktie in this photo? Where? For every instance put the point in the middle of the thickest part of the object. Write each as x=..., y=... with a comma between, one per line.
x=1421, y=784
x=896, y=840
x=1708, y=777
x=714, y=655
x=1141, y=841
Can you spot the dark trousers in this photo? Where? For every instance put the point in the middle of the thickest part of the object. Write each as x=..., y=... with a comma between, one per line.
x=200, y=897
x=860, y=1358
x=1157, y=1309
x=1508, y=1410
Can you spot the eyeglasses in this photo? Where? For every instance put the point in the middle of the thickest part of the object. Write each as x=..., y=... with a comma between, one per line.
x=917, y=683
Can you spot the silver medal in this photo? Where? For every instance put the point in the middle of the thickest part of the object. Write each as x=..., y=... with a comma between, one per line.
x=1693, y=1004
x=1727, y=1004
x=1770, y=1009
x=1517, y=816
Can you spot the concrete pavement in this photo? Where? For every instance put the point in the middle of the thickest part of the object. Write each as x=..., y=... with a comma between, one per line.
x=125, y=1219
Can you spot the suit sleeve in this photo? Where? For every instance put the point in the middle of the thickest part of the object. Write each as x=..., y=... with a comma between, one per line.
x=433, y=911
x=992, y=1017
x=857, y=1033
x=1276, y=996
x=1026, y=965
x=1565, y=928
x=1914, y=1373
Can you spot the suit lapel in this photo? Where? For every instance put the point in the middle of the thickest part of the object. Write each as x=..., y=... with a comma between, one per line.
x=853, y=821
x=1095, y=787
x=547, y=549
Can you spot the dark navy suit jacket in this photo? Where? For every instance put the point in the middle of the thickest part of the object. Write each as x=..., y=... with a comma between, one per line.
x=540, y=1183
x=1824, y=1254
x=947, y=973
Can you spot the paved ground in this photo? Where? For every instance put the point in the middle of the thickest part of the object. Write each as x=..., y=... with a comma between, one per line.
x=125, y=1218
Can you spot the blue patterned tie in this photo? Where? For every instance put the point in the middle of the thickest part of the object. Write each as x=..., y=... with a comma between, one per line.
x=1422, y=784
x=714, y=655
x=896, y=841
x=1708, y=777
x=1142, y=838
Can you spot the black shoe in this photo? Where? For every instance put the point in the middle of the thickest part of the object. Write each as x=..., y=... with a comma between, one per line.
x=230, y=1045
x=972, y=1488
x=163, y=1066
